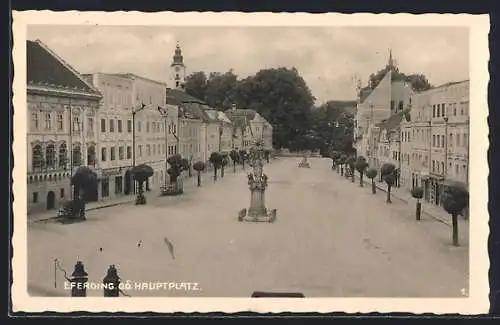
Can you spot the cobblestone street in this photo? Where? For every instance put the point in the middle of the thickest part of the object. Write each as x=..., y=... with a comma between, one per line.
x=332, y=238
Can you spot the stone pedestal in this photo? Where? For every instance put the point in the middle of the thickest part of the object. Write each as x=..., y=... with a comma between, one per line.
x=257, y=182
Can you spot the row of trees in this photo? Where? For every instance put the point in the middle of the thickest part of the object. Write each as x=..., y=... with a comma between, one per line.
x=283, y=98
x=455, y=195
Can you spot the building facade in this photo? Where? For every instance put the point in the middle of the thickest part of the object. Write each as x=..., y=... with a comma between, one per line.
x=248, y=127
x=62, y=130
x=440, y=138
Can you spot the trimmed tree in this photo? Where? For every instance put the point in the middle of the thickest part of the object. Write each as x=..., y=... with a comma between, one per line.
x=141, y=173
x=81, y=181
x=361, y=166
x=234, y=157
x=199, y=166
x=342, y=161
x=177, y=165
x=418, y=193
x=455, y=200
x=389, y=175
x=225, y=161
x=351, y=162
x=216, y=160
x=243, y=157
x=335, y=155
x=371, y=173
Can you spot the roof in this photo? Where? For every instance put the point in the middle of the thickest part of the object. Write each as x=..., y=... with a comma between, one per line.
x=176, y=97
x=393, y=121
x=46, y=69
x=364, y=93
x=249, y=114
x=134, y=76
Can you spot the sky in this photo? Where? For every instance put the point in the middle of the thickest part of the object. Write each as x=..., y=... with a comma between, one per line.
x=328, y=58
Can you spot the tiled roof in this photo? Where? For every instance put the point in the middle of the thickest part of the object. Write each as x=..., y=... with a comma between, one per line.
x=176, y=97
x=248, y=113
x=45, y=69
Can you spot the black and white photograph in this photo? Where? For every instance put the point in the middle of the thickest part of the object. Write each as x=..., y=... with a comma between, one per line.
x=296, y=157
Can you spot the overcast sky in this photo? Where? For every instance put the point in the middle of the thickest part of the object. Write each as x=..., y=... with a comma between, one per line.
x=327, y=58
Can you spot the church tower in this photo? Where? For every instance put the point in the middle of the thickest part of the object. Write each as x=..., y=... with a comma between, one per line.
x=177, y=70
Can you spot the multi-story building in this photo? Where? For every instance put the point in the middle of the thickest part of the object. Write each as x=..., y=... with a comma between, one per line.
x=62, y=130
x=440, y=138
x=252, y=127
x=388, y=98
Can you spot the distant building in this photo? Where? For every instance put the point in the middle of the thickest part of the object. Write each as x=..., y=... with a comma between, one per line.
x=62, y=128
x=253, y=127
x=388, y=98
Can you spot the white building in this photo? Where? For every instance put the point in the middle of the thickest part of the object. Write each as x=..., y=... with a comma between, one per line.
x=62, y=130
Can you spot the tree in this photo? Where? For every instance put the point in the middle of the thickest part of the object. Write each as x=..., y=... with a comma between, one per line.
x=223, y=164
x=418, y=193
x=141, y=173
x=234, y=157
x=196, y=85
x=351, y=162
x=199, y=166
x=418, y=81
x=455, y=200
x=371, y=173
x=361, y=165
x=389, y=175
x=243, y=157
x=335, y=155
x=81, y=180
x=342, y=161
x=216, y=160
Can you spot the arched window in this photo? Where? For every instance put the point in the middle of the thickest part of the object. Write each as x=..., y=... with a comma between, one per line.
x=36, y=157
x=50, y=156
x=77, y=155
x=63, y=155
x=91, y=155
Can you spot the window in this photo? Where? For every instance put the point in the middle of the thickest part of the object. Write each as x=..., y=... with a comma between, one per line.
x=90, y=123
x=63, y=154
x=103, y=154
x=433, y=165
x=147, y=127
x=442, y=141
x=458, y=139
x=454, y=110
x=76, y=124
x=50, y=156
x=111, y=125
x=48, y=121
x=433, y=110
x=129, y=152
x=154, y=149
x=120, y=153
x=113, y=153
x=140, y=150
x=129, y=126
x=91, y=156
x=401, y=105
x=61, y=193
x=60, y=122
x=442, y=167
x=438, y=110
x=35, y=197
x=77, y=155
x=119, y=122
x=36, y=157
x=139, y=125
x=148, y=150
x=175, y=149
x=103, y=125
x=34, y=121
x=451, y=140
x=464, y=142
x=433, y=140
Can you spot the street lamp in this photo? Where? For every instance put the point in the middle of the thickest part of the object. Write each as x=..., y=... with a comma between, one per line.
x=221, y=130
x=134, y=111
x=164, y=114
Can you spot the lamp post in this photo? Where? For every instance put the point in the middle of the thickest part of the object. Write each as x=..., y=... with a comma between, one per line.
x=221, y=130
x=164, y=114
x=134, y=111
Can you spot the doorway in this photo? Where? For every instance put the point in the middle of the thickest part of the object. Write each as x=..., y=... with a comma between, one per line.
x=51, y=200
x=128, y=183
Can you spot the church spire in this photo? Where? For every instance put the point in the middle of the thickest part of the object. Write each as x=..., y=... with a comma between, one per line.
x=178, y=59
x=391, y=62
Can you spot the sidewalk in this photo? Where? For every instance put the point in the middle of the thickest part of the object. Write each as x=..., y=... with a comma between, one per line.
x=402, y=194
x=188, y=183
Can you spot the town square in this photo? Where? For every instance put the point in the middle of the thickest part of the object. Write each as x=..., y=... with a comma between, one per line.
x=186, y=175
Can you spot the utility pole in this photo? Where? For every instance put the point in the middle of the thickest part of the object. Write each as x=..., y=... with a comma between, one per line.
x=134, y=111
